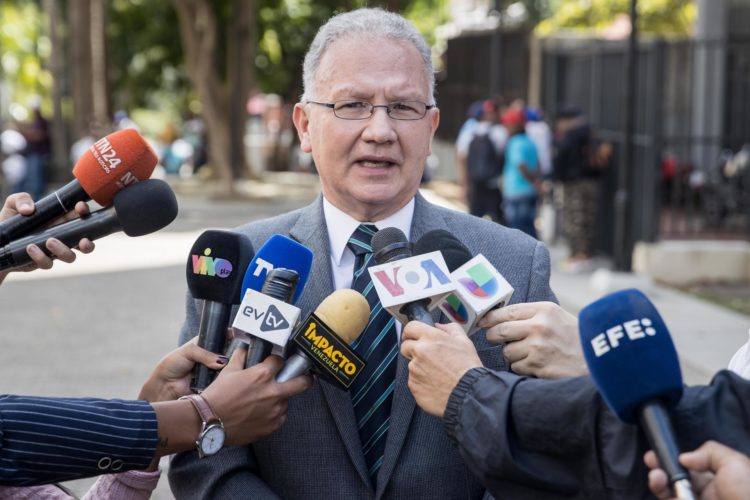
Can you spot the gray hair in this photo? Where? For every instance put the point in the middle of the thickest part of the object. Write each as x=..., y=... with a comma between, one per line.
x=371, y=22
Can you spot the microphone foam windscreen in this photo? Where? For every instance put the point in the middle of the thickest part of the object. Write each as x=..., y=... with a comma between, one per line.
x=389, y=244
x=346, y=312
x=278, y=252
x=629, y=352
x=113, y=162
x=214, y=268
x=145, y=207
x=454, y=252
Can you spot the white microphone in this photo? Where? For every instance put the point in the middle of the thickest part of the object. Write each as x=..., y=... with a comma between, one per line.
x=263, y=317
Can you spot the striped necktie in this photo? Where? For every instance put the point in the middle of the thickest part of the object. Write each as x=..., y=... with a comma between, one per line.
x=372, y=390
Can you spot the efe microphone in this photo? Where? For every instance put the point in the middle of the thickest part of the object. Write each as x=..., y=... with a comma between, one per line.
x=214, y=275
x=408, y=286
x=633, y=363
x=112, y=163
x=142, y=209
x=322, y=340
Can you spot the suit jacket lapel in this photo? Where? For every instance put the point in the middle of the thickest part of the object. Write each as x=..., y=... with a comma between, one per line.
x=403, y=405
x=308, y=232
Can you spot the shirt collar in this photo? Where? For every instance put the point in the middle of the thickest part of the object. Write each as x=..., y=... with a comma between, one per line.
x=341, y=225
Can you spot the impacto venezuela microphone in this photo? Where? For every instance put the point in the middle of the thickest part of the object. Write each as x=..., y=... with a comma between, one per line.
x=322, y=340
x=274, y=279
x=112, y=163
x=214, y=275
x=634, y=365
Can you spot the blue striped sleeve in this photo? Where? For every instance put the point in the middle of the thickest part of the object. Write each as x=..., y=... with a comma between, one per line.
x=46, y=440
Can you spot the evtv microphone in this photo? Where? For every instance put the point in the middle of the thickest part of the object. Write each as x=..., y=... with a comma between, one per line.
x=479, y=286
x=322, y=340
x=112, y=163
x=214, y=275
x=278, y=252
x=265, y=319
x=633, y=363
x=408, y=286
x=144, y=208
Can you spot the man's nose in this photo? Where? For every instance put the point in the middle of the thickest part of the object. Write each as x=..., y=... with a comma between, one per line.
x=379, y=127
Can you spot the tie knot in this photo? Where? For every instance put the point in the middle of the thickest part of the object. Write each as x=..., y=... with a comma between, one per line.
x=359, y=242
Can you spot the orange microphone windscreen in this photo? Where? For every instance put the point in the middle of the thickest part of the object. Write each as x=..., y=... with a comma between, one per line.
x=114, y=162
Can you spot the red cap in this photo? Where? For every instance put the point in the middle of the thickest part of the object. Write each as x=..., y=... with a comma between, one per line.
x=113, y=162
x=513, y=116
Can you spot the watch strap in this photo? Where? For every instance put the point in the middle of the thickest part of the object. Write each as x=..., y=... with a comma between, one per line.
x=203, y=408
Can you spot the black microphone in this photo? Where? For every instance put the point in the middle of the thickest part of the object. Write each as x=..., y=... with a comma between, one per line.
x=388, y=245
x=111, y=164
x=141, y=209
x=214, y=273
x=280, y=284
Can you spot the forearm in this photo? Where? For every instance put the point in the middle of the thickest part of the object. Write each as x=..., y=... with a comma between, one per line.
x=178, y=428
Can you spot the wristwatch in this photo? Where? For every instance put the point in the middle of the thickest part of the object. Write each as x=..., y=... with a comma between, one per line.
x=212, y=435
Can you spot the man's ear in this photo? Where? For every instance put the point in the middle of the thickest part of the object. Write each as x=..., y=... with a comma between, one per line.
x=302, y=124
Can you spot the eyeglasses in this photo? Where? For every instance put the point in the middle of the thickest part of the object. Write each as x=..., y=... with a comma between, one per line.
x=361, y=110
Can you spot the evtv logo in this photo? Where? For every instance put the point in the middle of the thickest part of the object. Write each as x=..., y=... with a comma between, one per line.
x=271, y=319
x=211, y=266
x=480, y=281
x=411, y=277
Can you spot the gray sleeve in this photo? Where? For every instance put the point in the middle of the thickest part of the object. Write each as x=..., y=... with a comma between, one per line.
x=227, y=475
x=539, y=289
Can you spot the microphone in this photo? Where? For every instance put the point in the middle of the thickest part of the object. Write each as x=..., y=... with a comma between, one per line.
x=479, y=286
x=147, y=207
x=322, y=340
x=265, y=319
x=633, y=363
x=408, y=286
x=278, y=252
x=214, y=276
x=112, y=163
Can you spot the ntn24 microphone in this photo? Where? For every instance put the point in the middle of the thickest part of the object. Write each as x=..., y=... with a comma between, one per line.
x=279, y=252
x=412, y=279
x=266, y=318
x=629, y=352
x=479, y=288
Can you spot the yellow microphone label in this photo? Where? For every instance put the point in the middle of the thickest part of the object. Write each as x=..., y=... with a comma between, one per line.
x=333, y=358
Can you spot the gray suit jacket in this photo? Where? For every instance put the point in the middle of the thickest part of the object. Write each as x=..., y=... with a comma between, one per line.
x=317, y=453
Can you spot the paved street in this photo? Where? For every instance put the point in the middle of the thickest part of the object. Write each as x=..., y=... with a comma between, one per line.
x=96, y=328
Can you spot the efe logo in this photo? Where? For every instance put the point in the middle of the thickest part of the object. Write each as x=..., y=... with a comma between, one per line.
x=481, y=282
x=610, y=338
x=210, y=266
x=272, y=318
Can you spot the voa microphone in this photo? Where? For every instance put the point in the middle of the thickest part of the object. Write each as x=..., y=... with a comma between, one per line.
x=142, y=209
x=634, y=364
x=408, y=286
x=214, y=274
x=112, y=163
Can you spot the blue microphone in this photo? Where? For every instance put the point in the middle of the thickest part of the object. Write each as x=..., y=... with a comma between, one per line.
x=633, y=363
x=279, y=270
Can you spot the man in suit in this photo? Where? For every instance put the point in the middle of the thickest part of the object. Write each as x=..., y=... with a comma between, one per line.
x=368, y=117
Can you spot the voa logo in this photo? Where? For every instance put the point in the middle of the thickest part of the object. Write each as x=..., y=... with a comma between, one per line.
x=211, y=266
x=411, y=276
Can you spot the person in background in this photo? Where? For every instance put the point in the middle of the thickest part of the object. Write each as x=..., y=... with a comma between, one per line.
x=38, y=147
x=479, y=151
x=521, y=180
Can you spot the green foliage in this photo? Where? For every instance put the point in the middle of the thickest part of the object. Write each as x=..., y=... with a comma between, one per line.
x=664, y=17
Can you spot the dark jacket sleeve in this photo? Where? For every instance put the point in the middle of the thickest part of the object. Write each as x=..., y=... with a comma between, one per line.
x=48, y=440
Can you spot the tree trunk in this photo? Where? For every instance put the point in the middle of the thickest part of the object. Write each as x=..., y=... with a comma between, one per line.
x=98, y=44
x=59, y=141
x=240, y=65
x=198, y=33
x=79, y=20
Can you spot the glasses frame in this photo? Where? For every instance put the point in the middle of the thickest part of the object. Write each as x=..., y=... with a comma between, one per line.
x=332, y=106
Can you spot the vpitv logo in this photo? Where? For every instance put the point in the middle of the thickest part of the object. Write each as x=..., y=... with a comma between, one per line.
x=105, y=154
x=456, y=309
x=411, y=277
x=610, y=338
x=480, y=282
x=210, y=266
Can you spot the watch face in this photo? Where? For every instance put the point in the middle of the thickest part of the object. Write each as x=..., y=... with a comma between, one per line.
x=212, y=439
